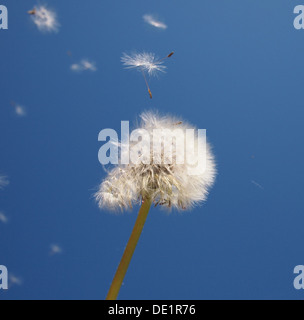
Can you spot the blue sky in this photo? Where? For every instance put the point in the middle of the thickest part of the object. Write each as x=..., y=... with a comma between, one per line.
x=236, y=71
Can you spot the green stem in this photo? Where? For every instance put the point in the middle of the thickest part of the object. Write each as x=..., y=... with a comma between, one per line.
x=129, y=250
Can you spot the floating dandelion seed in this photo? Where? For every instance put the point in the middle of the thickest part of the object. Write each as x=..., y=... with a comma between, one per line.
x=3, y=182
x=44, y=18
x=13, y=280
x=257, y=184
x=145, y=62
x=84, y=65
x=3, y=218
x=19, y=110
x=157, y=181
x=150, y=19
x=55, y=249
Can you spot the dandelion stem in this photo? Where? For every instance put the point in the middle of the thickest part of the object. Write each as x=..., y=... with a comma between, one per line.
x=129, y=250
x=150, y=93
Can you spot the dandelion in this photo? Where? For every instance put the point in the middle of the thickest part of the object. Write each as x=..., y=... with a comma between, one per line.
x=150, y=19
x=153, y=176
x=145, y=62
x=3, y=182
x=44, y=18
x=155, y=179
x=84, y=65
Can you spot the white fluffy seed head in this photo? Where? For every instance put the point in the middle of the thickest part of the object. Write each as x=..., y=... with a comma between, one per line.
x=167, y=183
x=45, y=19
x=144, y=62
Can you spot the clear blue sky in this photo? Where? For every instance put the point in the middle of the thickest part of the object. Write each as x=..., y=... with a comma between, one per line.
x=237, y=72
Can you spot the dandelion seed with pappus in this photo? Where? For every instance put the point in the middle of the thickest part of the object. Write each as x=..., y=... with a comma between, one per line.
x=145, y=62
x=44, y=18
x=150, y=19
x=3, y=182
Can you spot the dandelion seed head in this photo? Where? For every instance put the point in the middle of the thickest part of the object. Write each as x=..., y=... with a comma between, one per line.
x=166, y=183
x=143, y=62
x=45, y=19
